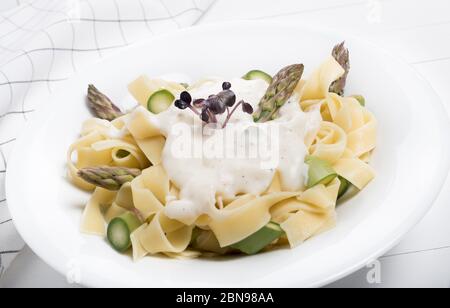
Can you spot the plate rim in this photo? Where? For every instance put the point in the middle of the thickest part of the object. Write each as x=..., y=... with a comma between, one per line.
x=403, y=227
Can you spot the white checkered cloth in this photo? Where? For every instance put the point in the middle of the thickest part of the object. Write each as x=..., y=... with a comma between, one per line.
x=43, y=42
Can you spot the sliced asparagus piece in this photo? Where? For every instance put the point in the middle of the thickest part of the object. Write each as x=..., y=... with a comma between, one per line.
x=257, y=74
x=257, y=241
x=360, y=99
x=110, y=178
x=195, y=234
x=342, y=56
x=101, y=106
x=206, y=241
x=160, y=101
x=320, y=171
x=278, y=93
x=345, y=185
x=122, y=153
x=120, y=229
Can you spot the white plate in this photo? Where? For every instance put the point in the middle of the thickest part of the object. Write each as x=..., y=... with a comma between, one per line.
x=412, y=160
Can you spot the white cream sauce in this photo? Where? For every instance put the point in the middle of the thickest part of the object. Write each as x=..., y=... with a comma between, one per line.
x=201, y=178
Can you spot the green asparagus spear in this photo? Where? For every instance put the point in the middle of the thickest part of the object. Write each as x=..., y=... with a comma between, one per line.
x=343, y=188
x=101, y=106
x=110, y=178
x=279, y=91
x=320, y=171
x=342, y=56
x=257, y=74
x=259, y=240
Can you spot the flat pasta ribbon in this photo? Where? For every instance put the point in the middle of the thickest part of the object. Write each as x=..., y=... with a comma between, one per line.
x=309, y=214
x=330, y=142
x=93, y=220
x=150, y=190
x=234, y=224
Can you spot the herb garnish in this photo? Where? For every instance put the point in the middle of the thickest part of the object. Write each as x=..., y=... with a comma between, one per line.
x=216, y=104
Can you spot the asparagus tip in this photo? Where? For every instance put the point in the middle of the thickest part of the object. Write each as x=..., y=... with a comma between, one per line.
x=110, y=178
x=101, y=106
x=341, y=54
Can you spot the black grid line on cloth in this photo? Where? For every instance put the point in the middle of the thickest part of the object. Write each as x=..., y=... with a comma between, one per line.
x=170, y=13
x=8, y=141
x=24, y=98
x=9, y=252
x=211, y=5
x=52, y=61
x=15, y=113
x=137, y=20
x=21, y=51
x=72, y=53
x=414, y=252
x=62, y=12
x=142, y=20
x=2, y=156
x=94, y=28
x=195, y=4
x=5, y=222
x=30, y=52
x=144, y=13
x=11, y=91
x=122, y=32
x=32, y=81
x=431, y=60
x=4, y=253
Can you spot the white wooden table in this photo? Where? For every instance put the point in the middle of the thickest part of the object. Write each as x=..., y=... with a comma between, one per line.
x=419, y=31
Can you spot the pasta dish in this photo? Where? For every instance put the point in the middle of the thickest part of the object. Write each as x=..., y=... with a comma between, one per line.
x=223, y=166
